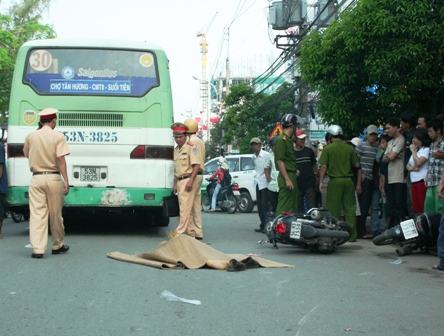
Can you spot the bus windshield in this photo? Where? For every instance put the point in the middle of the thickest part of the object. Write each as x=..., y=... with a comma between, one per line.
x=91, y=72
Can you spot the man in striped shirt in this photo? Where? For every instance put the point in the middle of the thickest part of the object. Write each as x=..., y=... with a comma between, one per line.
x=369, y=198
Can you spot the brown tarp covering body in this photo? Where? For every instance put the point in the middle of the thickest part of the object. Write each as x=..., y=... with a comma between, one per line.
x=186, y=252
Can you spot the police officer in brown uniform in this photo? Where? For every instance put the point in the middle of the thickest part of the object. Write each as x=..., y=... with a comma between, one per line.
x=196, y=211
x=187, y=160
x=46, y=150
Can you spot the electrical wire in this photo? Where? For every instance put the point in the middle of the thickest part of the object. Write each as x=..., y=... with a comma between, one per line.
x=292, y=50
x=219, y=54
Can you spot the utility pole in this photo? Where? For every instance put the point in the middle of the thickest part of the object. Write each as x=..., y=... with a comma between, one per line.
x=204, y=84
x=227, y=64
x=293, y=17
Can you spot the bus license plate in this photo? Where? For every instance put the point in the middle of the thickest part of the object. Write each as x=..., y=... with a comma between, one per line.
x=89, y=174
x=408, y=228
x=295, y=232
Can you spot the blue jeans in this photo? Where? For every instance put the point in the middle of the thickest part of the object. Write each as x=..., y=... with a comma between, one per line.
x=214, y=198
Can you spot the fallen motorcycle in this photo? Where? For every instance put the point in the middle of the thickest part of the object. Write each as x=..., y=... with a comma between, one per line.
x=420, y=234
x=316, y=230
x=226, y=198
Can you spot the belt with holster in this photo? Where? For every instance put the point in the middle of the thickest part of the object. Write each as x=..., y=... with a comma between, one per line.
x=46, y=173
x=183, y=177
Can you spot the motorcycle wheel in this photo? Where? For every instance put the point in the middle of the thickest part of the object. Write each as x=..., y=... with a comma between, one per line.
x=233, y=204
x=17, y=217
x=404, y=250
x=244, y=202
x=344, y=226
x=383, y=240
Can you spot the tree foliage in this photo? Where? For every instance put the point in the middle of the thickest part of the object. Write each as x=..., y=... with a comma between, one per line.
x=21, y=24
x=393, y=47
x=249, y=114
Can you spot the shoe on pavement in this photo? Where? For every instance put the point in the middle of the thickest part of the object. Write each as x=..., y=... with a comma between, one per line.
x=37, y=255
x=438, y=267
x=61, y=250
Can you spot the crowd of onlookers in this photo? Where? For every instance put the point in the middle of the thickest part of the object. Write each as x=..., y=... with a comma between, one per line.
x=401, y=167
x=398, y=174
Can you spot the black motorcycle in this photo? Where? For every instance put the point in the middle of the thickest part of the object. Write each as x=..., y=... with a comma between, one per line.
x=412, y=234
x=316, y=230
x=226, y=198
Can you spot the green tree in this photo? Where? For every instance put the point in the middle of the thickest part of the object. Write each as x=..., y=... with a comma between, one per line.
x=393, y=46
x=249, y=114
x=22, y=23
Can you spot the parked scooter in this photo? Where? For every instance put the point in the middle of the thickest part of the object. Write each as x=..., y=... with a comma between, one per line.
x=412, y=234
x=316, y=230
x=226, y=198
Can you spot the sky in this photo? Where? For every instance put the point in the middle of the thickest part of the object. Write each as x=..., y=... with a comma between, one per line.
x=173, y=25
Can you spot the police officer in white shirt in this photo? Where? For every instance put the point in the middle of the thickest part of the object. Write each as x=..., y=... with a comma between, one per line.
x=260, y=158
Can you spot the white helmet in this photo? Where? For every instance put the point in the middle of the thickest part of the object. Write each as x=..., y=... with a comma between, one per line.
x=222, y=162
x=335, y=130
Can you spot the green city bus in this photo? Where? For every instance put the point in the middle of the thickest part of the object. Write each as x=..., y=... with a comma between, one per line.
x=115, y=110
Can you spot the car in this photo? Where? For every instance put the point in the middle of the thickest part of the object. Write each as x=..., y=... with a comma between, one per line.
x=242, y=172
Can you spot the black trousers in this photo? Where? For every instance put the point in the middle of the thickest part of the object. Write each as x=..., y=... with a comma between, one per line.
x=272, y=200
x=307, y=197
x=262, y=205
x=396, y=203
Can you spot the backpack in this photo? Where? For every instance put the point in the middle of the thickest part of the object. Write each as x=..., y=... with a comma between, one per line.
x=226, y=181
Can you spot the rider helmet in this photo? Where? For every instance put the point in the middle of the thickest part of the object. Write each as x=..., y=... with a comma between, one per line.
x=289, y=120
x=222, y=162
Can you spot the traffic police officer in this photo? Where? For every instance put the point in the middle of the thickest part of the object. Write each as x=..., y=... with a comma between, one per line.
x=187, y=160
x=196, y=211
x=285, y=160
x=338, y=160
x=46, y=150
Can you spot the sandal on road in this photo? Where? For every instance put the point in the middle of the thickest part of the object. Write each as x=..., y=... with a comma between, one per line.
x=438, y=267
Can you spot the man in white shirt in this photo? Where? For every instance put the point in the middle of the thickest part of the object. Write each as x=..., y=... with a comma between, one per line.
x=260, y=159
x=272, y=174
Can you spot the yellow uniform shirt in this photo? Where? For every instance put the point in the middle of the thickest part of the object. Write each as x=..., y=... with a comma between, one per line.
x=185, y=157
x=197, y=142
x=43, y=147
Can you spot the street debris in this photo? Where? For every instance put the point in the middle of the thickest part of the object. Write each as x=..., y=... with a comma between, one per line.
x=28, y=246
x=398, y=261
x=172, y=297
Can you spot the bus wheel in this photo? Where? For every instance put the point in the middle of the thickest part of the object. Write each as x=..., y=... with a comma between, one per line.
x=159, y=218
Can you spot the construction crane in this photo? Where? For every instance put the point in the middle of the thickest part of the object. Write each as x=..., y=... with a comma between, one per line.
x=203, y=81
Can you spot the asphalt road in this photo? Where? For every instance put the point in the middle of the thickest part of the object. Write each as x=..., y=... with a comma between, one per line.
x=361, y=289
